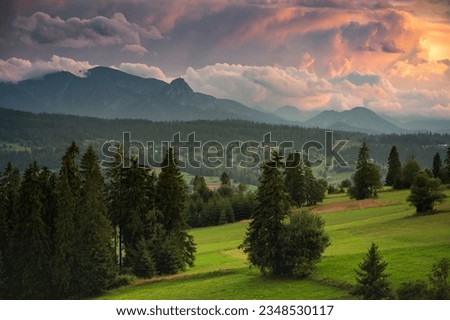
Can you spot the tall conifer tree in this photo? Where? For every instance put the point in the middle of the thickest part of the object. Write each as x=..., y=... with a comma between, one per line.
x=264, y=240
x=67, y=195
x=171, y=196
x=437, y=165
x=366, y=180
x=94, y=249
x=294, y=177
x=9, y=196
x=32, y=250
x=394, y=174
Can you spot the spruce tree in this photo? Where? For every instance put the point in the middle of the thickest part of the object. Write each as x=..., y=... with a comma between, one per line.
x=372, y=281
x=264, y=239
x=366, y=180
x=294, y=178
x=199, y=186
x=116, y=199
x=9, y=196
x=48, y=182
x=225, y=179
x=393, y=177
x=67, y=198
x=437, y=165
x=94, y=248
x=446, y=171
x=171, y=197
x=32, y=249
x=137, y=228
x=3, y=279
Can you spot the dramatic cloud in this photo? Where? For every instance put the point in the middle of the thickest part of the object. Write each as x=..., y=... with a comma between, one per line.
x=136, y=48
x=15, y=69
x=42, y=29
x=143, y=71
x=388, y=55
x=271, y=87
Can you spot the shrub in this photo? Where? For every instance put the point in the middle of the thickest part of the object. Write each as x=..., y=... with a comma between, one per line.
x=305, y=241
x=121, y=280
x=413, y=290
x=440, y=289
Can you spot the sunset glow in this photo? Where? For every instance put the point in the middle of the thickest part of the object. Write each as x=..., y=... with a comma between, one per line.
x=264, y=53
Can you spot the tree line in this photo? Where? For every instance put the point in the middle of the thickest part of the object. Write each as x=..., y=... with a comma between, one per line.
x=228, y=204
x=425, y=184
x=71, y=234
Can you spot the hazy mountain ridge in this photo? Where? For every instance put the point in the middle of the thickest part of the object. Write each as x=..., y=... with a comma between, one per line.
x=357, y=119
x=110, y=93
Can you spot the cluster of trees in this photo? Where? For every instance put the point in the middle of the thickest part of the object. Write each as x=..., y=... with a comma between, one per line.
x=227, y=204
x=64, y=235
x=402, y=176
x=301, y=185
x=372, y=281
x=367, y=178
x=278, y=242
x=425, y=184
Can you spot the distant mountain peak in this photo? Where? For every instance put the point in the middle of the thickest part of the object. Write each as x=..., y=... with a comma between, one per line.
x=179, y=89
x=356, y=119
x=181, y=85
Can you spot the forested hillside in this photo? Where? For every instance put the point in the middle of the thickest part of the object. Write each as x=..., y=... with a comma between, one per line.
x=27, y=136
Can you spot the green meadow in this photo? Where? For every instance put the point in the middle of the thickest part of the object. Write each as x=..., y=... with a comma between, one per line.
x=410, y=244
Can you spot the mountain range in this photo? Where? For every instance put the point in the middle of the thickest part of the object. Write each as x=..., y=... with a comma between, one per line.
x=109, y=93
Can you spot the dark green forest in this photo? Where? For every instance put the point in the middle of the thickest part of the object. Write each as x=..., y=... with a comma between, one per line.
x=25, y=137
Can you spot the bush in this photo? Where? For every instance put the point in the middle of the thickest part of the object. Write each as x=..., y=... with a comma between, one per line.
x=425, y=193
x=346, y=183
x=122, y=280
x=305, y=241
x=440, y=289
x=413, y=290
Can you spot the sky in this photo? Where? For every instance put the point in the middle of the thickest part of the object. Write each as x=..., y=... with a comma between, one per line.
x=390, y=56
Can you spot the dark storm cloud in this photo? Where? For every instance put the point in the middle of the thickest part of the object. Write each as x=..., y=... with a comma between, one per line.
x=40, y=28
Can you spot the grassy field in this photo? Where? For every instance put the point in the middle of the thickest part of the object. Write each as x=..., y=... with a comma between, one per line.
x=409, y=244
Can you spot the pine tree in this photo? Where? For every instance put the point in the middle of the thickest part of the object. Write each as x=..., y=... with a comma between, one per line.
x=171, y=197
x=32, y=251
x=48, y=182
x=393, y=177
x=225, y=179
x=366, y=180
x=116, y=199
x=137, y=195
x=437, y=165
x=3, y=279
x=294, y=178
x=372, y=281
x=314, y=189
x=264, y=239
x=446, y=171
x=199, y=186
x=94, y=249
x=67, y=198
x=9, y=196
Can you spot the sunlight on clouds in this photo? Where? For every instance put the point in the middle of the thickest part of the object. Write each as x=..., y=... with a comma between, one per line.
x=16, y=69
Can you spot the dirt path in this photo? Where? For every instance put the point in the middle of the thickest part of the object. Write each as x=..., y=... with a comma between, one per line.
x=350, y=205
